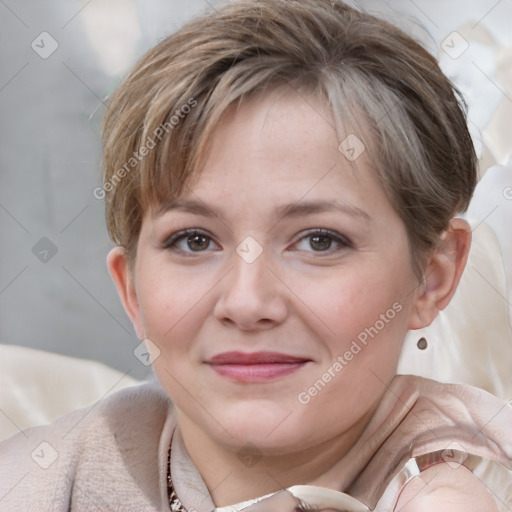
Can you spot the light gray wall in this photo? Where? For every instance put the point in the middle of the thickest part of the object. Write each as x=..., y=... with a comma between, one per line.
x=51, y=106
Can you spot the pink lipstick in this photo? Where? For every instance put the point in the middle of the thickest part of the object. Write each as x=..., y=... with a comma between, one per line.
x=256, y=366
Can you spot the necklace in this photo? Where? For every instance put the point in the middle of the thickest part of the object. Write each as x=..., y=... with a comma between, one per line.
x=174, y=502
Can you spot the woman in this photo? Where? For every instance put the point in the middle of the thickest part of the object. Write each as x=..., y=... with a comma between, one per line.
x=282, y=180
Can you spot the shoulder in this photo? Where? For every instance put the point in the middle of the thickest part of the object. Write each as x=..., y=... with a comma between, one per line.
x=443, y=488
x=437, y=414
x=143, y=404
x=41, y=465
x=424, y=417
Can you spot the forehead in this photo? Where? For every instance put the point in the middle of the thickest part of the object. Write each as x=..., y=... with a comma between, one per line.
x=281, y=130
x=279, y=147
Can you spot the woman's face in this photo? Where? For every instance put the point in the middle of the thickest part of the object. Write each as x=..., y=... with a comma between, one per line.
x=279, y=318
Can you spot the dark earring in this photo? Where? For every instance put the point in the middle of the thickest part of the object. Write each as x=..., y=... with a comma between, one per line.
x=422, y=344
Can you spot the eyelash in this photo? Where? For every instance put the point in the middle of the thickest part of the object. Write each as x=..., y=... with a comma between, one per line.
x=171, y=242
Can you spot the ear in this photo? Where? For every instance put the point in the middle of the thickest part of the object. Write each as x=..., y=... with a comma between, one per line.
x=442, y=274
x=124, y=280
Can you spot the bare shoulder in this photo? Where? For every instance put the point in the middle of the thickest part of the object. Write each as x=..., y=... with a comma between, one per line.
x=443, y=488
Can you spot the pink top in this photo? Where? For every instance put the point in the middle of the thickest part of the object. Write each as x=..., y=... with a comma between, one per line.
x=113, y=455
x=419, y=422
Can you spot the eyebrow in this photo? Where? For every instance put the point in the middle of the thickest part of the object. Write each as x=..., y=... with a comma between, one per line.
x=297, y=209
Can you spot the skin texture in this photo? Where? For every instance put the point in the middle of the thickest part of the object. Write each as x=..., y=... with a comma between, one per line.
x=443, y=488
x=295, y=298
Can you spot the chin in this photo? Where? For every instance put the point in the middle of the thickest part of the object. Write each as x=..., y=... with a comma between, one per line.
x=272, y=428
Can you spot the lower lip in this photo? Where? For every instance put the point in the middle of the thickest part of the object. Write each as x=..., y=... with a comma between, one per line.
x=256, y=372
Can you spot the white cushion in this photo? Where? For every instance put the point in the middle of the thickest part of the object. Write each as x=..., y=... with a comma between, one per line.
x=37, y=387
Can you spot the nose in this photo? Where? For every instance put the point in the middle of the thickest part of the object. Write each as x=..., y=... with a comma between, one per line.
x=252, y=296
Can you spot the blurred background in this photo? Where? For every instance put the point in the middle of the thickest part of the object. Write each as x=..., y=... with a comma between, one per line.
x=60, y=60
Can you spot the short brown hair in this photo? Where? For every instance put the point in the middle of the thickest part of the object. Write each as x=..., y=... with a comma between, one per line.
x=378, y=81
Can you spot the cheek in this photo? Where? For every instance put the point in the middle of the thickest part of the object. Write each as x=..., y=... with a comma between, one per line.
x=170, y=304
x=352, y=301
x=367, y=312
x=369, y=318
x=173, y=307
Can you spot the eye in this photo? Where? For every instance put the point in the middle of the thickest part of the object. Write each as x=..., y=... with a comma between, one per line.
x=321, y=240
x=188, y=241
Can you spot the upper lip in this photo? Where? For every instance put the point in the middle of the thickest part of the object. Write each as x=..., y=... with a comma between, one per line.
x=236, y=357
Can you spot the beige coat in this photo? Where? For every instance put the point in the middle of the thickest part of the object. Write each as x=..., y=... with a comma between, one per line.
x=113, y=456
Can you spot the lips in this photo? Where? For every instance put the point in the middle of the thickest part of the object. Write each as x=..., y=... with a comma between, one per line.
x=256, y=366
x=255, y=358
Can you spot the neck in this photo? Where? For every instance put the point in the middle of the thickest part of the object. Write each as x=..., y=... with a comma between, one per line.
x=241, y=474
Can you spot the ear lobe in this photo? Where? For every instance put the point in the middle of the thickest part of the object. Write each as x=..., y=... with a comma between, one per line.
x=442, y=274
x=119, y=270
